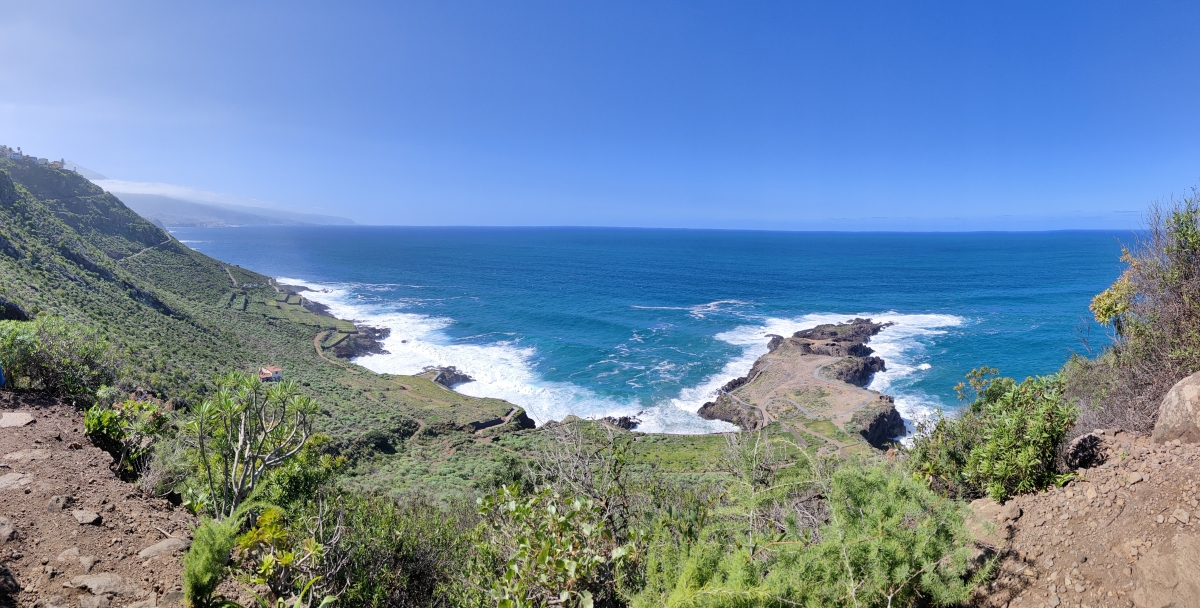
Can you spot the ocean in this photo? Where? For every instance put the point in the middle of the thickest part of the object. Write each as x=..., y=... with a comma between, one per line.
x=648, y=322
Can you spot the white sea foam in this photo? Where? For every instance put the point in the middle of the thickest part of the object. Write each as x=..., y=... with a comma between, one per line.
x=502, y=369
x=901, y=346
x=505, y=369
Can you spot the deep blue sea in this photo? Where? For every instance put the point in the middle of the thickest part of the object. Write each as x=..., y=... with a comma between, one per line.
x=606, y=321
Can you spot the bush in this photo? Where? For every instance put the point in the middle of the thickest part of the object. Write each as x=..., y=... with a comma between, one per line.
x=888, y=541
x=395, y=553
x=1006, y=442
x=49, y=354
x=546, y=549
x=1154, y=310
x=127, y=430
x=241, y=433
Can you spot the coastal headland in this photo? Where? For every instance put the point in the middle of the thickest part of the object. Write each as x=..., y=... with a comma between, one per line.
x=814, y=380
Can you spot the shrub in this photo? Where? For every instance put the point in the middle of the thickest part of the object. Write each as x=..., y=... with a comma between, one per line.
x=241, y=433
x=206, y=563
x=49, y=354
x=546, y=549
x=1154, y=310
x=888, y=541
x=127, y=430
x=394, y=553
x=1006, y=442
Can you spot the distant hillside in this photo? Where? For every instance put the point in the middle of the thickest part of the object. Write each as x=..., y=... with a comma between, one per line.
x=177, y=212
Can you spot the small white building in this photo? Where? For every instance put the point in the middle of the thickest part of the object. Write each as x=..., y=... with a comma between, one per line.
x=270, y=373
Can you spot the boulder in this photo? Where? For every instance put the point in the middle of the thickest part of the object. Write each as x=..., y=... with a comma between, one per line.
x=14, y=480
x=100, y=584
x=1169, y=574
x=86, y=518
x=58, y=503
x=8, y=583
x=1085, y=452
x=7, y=531
x=1179, y=412
x=165, y=547
x=14, y=419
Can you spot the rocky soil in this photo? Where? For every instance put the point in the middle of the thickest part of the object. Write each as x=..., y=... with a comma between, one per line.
x=1123, y=533
x=71, y=533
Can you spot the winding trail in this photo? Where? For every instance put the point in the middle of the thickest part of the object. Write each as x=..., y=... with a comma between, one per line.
x=144, y=250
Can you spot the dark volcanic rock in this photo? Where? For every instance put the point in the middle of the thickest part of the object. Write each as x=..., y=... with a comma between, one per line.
x=855, y=370
x=10, y=311
x=625, y=422
x=854, y=331
x=448, y=377
x=725, y=408
x=774, y=343
x=520, y=421
x=368, y=341
x=1085, y=452
x=878, y=423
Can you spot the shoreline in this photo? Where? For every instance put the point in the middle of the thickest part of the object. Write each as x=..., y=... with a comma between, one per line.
x=407, y=343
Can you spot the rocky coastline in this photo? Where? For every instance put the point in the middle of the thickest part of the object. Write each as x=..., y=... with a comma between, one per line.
x=818, y=372
x=368, y=341
x=447, y=376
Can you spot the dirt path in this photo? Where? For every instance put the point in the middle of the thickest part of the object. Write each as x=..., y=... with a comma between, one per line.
x=321, y=335
x=231, y=279
x=1123, y=534
x=73, y=533
x=148, y=249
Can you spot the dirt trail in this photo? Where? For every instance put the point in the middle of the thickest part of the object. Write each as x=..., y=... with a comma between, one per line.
x=1123, y=534
x=144, y=250
x=72, y=533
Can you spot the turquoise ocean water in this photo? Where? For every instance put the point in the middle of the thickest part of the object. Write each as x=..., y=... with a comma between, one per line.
x=605, y=321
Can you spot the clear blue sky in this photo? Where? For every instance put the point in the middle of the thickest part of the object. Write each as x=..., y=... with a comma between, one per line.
x=788, y=115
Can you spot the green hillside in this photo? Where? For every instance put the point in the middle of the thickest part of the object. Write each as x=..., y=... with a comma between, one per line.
x=178, y=317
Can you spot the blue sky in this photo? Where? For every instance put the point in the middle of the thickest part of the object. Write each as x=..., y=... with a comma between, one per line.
x=789, y=115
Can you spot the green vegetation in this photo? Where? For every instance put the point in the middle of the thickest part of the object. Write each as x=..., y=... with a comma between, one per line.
x=343, y=486
x=127, y=430
x=60, y=358
x=1152, y=308
x=1006, y=442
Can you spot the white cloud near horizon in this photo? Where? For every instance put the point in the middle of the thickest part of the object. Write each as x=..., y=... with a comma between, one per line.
x=187, y=193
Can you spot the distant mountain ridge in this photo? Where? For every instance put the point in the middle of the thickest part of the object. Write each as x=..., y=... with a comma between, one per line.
x=170, y=211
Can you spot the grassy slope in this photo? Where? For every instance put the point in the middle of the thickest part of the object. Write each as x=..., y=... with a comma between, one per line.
x=69, y=249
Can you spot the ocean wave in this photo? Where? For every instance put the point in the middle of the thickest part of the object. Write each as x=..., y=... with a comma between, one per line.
x=505, y=369
x=700, y=311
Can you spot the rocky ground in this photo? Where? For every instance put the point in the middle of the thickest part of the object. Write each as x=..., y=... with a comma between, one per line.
x=71, y=533
x=1123, y=534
